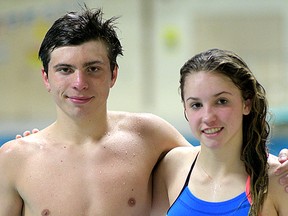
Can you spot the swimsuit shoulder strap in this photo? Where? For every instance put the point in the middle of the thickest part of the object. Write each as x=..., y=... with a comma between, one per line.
x=189, y=174
x=186, y=181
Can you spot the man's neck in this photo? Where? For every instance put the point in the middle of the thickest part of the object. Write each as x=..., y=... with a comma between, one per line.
x=81, y=130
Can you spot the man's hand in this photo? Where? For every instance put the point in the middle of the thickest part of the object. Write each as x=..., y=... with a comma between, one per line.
x=27, y=133
x=283, y=155
x=283, y=169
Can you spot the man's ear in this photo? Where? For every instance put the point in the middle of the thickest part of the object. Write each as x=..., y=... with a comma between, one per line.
x=247, y=107
x=114, y=76
x=45, y=80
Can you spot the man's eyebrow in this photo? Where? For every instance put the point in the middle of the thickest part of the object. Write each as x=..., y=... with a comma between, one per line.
x=63, y=65
x=84, y=65
x=92, y=63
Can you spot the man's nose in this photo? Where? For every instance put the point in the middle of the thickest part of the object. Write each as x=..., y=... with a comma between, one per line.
x=80, y=80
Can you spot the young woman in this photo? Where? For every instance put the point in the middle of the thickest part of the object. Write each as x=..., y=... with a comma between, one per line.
x=226, y=108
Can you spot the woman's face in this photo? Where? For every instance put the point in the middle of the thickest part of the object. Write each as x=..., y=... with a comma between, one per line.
x=214, y=108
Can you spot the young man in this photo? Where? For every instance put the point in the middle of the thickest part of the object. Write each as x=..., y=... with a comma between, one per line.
x=90, y=161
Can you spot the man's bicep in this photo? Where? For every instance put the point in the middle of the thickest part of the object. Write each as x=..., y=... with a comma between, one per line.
x=160, y=201
x=10, y=201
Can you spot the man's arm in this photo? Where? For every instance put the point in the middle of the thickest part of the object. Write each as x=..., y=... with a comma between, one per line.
x=276, y=201
x=10, y=201
x=160, y=201
x=282, y=170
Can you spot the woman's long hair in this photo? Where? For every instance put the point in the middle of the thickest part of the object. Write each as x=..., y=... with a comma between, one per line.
x=255, y=125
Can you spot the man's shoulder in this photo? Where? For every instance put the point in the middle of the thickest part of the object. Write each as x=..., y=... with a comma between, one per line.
x=11, y=147
x=136, y=120
x=11, y=155
x=19, y=148
x=132, y=115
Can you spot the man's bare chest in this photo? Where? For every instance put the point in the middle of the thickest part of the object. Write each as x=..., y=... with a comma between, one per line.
x=86, y=184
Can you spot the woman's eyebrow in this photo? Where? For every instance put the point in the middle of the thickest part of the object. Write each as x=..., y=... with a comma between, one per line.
x=223, y=92
x=215, y=95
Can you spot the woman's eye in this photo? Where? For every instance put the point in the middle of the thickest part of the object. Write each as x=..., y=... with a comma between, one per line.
x=195, y=105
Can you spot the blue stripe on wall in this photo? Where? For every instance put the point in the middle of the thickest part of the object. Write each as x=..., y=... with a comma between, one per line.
x=277, y=143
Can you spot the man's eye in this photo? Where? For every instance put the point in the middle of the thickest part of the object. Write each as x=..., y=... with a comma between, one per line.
x=92, y=69
x=222, y=101
x=64, y=70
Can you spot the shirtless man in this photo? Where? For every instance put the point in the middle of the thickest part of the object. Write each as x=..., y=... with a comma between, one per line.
x=90, y=161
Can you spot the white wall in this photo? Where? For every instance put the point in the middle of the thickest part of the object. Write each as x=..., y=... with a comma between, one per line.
x=158, y=37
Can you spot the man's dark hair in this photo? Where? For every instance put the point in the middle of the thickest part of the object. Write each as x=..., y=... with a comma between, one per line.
x=76, y=28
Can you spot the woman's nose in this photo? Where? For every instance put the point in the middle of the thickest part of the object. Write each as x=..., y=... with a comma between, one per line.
x=209, y=116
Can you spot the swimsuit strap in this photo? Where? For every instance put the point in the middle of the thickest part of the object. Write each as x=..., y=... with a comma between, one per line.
x=189, y=174
x=186, y=182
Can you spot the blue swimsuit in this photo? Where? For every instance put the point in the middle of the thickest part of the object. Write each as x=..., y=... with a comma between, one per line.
x=187, y=204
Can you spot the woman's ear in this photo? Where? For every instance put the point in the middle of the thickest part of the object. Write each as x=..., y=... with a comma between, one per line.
x=45, y=80
x=247, y=107
x=185, y=115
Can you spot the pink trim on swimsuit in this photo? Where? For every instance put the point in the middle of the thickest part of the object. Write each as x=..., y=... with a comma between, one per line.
x=247, y=190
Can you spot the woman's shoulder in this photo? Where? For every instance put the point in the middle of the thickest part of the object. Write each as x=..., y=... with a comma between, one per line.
x=183, y=151
x=180, y=157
